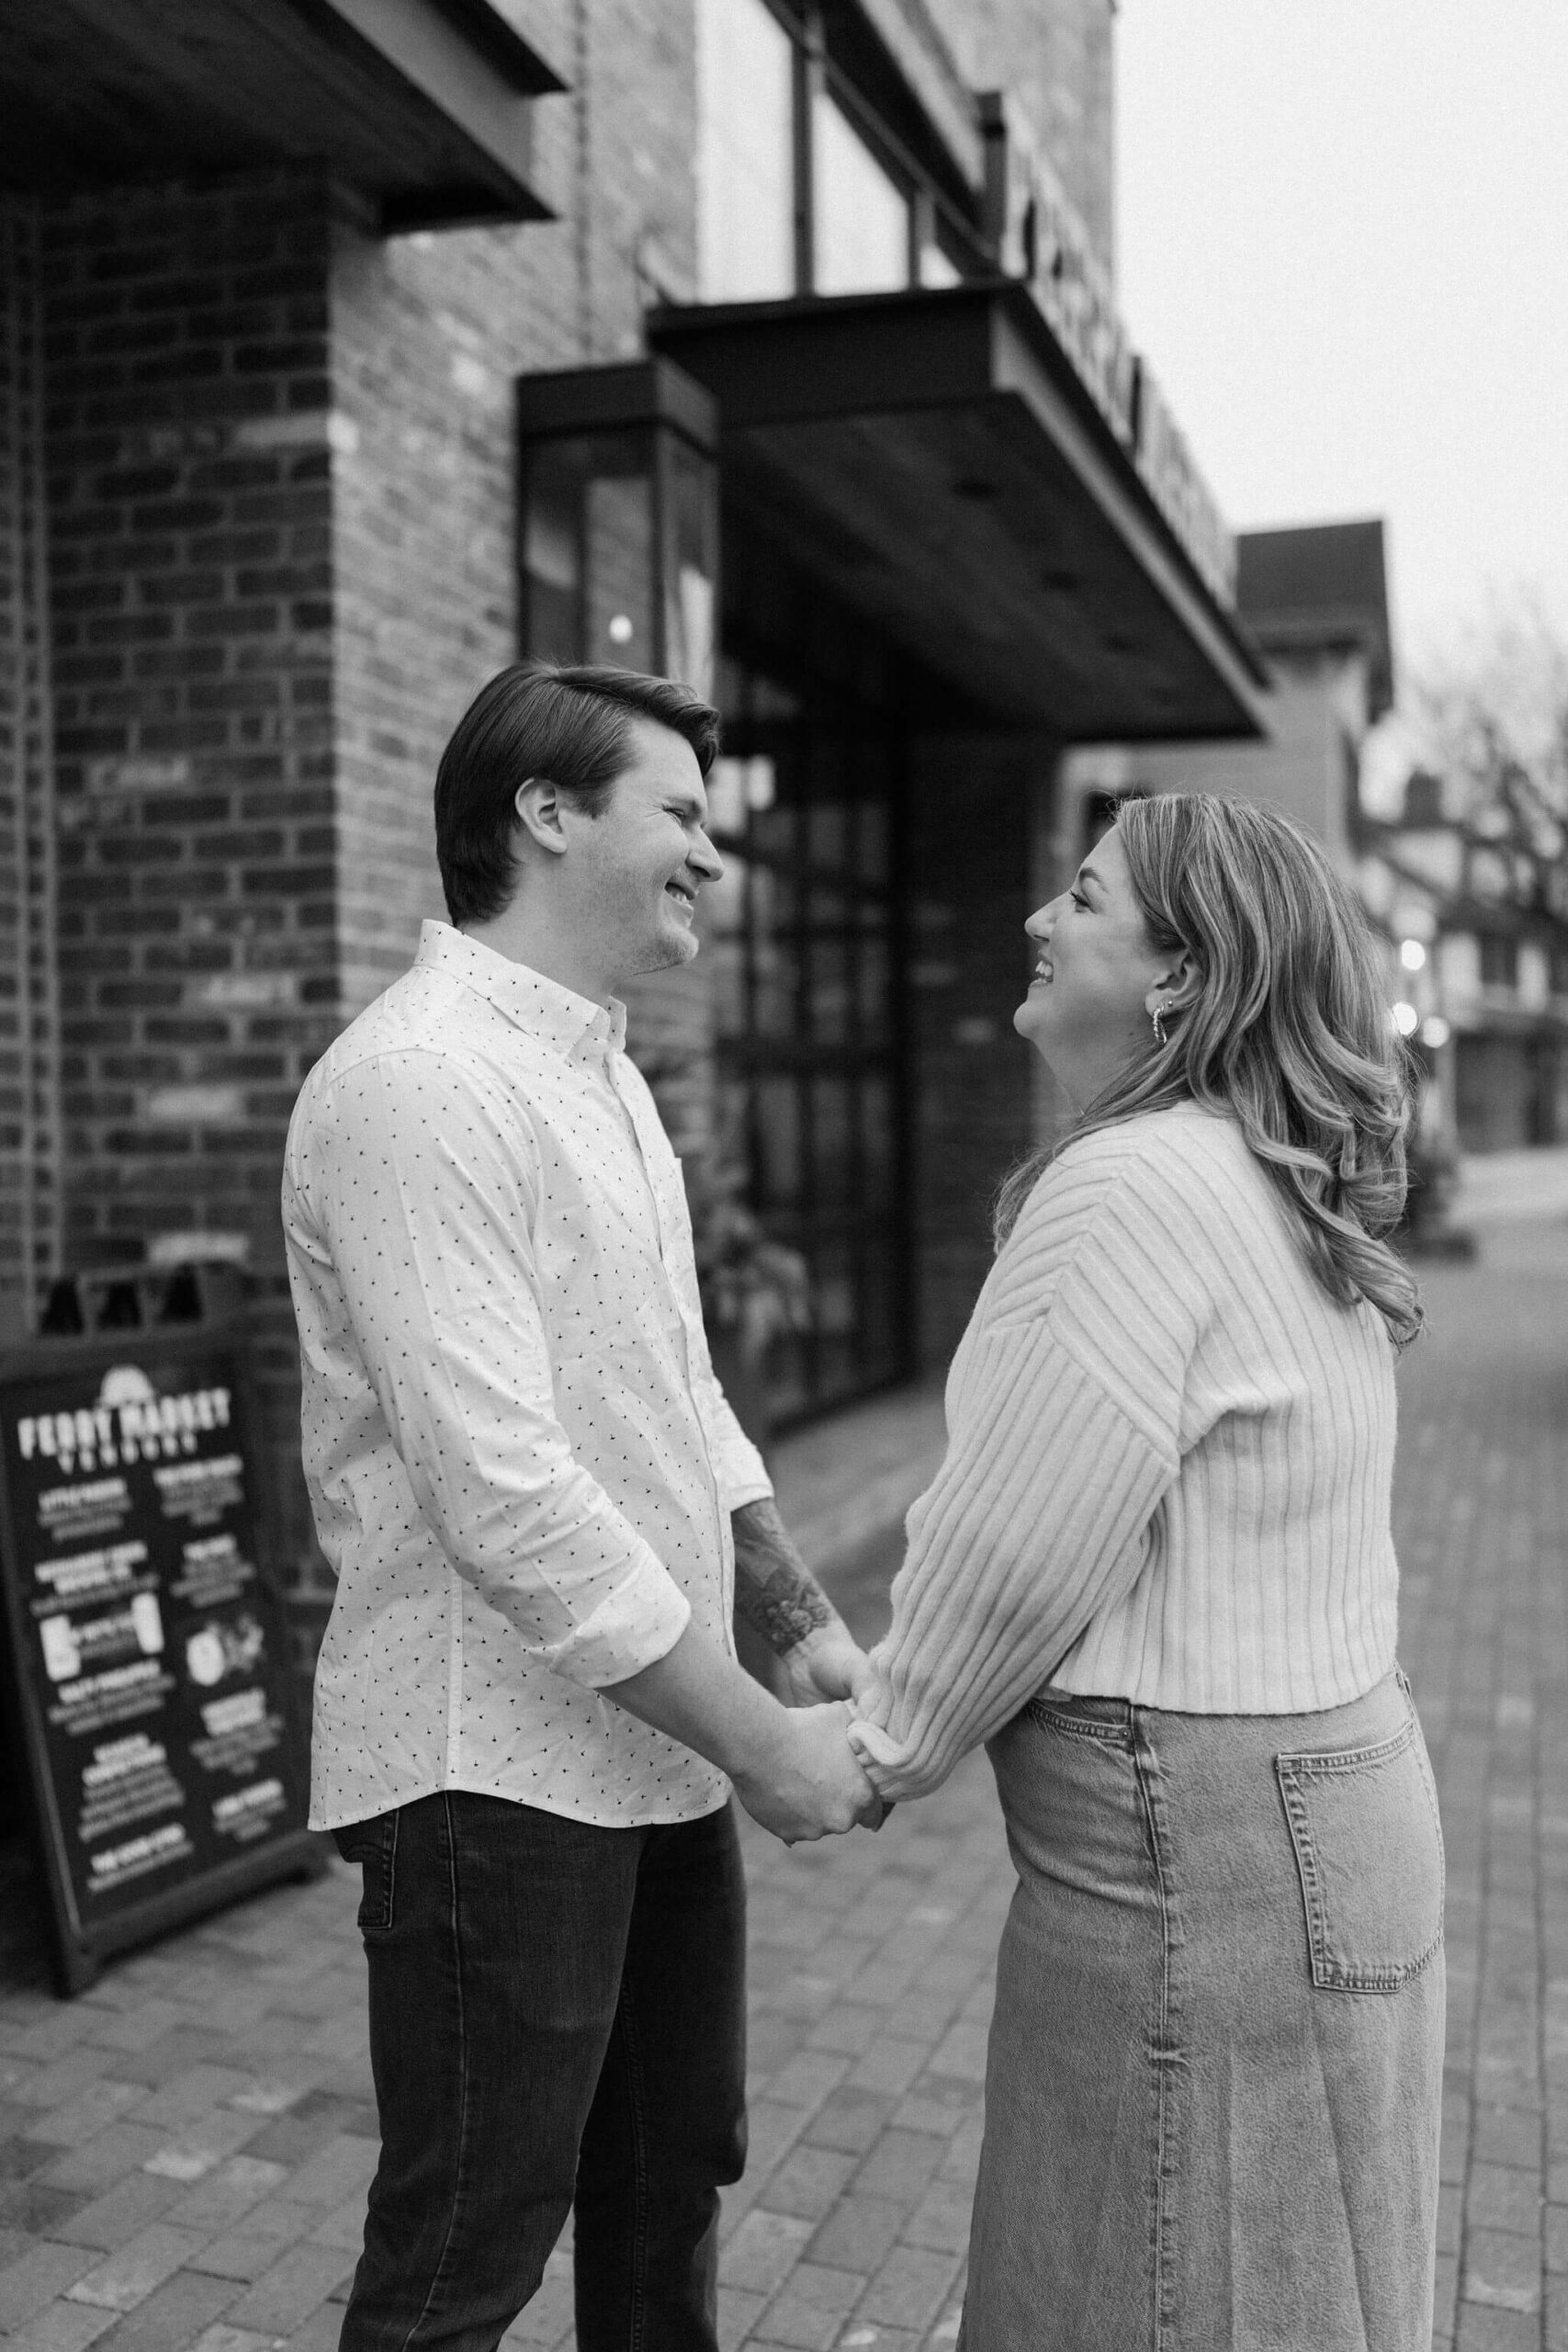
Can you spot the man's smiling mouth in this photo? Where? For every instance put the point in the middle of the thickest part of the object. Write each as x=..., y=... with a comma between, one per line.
x=682, y=894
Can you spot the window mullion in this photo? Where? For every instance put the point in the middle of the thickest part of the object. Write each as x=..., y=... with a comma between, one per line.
x=810, y=80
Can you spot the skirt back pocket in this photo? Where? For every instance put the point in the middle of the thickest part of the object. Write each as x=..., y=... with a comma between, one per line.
x=1369, y=1853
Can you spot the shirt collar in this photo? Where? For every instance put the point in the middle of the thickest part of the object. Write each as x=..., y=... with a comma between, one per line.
x=571, y=1022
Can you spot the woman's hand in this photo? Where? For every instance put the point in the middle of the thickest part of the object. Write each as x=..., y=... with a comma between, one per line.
x=886, y=1761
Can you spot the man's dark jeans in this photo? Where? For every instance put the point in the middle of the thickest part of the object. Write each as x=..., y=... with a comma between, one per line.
x=557, y=2022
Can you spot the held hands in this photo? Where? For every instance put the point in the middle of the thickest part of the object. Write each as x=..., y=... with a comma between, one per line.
x=792, y=1768
x=805, y=1784
x=893, y=1766
x=801, y=1781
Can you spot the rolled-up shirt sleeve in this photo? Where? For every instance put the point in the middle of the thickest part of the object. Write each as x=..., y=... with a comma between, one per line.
x=738, y=1467
x=742, y=1475
x=428, y=1223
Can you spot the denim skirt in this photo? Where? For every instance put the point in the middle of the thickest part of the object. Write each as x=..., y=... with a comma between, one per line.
x=1214, y=2086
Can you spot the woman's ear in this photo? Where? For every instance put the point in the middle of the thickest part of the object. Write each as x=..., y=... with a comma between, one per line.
x=1178, y=984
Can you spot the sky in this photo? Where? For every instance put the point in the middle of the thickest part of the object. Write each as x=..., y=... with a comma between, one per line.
x=1342, y=242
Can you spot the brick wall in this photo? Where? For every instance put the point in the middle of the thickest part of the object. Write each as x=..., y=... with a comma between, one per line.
x=282, y=491
x=282, y=500
x=191, y=562
x=29, y=1137
x=429, y=334
x=13, y=296
x=974, y=1089
x=1056, y=57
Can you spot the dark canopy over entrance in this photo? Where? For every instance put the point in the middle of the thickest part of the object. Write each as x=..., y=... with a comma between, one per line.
x=423, y=103
x=933, y=457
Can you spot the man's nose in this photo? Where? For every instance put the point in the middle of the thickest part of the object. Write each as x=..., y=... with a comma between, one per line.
x=705, y=859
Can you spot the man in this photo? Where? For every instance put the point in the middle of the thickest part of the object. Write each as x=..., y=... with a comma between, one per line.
x=529, y=1711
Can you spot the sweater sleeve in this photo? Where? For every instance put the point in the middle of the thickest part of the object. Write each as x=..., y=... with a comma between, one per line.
x=1065, y=1434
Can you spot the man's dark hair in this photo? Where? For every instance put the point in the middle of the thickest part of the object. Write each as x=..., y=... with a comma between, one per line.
x=537, y=718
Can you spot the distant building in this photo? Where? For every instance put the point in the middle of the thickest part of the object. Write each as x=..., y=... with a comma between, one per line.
x=1470, y=904
x=1475, y=907
x=1314, y=600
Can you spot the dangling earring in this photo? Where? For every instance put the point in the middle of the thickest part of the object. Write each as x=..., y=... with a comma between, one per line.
x=1166, y=1004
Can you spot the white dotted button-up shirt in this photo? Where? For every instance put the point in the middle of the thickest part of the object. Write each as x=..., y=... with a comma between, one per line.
x=521, y=1465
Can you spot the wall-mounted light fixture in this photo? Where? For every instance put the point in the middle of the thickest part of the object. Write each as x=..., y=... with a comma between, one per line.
x=618, y=537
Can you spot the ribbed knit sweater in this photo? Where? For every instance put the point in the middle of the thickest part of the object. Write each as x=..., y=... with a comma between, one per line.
x=1169, y=1468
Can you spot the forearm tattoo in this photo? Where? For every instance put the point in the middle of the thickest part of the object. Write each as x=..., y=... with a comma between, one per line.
x=774, y=1590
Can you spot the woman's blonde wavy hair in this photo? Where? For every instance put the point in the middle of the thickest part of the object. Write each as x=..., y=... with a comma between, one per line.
x=1288, y=1033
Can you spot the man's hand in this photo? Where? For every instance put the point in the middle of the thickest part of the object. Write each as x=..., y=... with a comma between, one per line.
x=806, y=1782
x=828, y=1664
x=777, y=1594
x=794, y=1771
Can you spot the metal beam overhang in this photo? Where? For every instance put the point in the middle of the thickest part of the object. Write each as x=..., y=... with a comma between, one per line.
x=934, y=456
x=424, y=105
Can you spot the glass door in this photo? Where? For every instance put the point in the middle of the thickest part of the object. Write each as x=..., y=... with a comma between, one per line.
x=803, y=934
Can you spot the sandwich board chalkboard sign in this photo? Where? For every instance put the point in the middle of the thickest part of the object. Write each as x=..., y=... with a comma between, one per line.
x=150, y=1674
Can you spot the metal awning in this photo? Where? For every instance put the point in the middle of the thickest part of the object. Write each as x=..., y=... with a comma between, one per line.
x=935, y=457
x=424, y=104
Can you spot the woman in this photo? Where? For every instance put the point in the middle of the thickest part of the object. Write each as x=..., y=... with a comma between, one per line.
x=1156, y=1573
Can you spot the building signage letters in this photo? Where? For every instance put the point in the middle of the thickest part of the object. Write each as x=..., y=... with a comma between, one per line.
x=1041, y=239
x=1165, y=463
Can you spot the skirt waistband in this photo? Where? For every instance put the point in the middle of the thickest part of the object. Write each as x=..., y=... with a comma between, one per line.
x=1387, y=1704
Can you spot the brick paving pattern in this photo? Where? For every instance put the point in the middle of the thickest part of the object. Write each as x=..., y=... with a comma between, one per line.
x=184, y=2152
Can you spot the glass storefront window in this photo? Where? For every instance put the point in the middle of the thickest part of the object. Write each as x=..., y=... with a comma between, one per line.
x=552, y=551
x=809, y=1053
x=862, y=216
x=690, y=568
x=863, y=211
x=618, y=573
x=587, y=550
x=745, y=153
x=936, y=269
x=829, y=992
x=778, y=1137
x=619, y=540
x=724, y=926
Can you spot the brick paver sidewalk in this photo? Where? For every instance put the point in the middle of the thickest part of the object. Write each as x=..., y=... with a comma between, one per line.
x=184, y=2152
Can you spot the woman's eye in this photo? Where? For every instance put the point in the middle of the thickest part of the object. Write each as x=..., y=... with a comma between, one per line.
x=1078, y=899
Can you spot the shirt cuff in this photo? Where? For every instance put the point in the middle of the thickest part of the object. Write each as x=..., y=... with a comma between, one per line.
x=742, y=1477
x=639, y=1624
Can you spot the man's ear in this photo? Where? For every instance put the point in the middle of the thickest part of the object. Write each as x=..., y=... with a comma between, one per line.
x=1177, y=985
x=538, y=805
